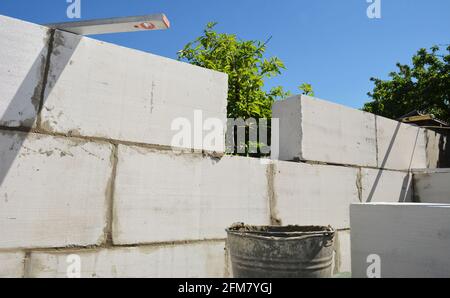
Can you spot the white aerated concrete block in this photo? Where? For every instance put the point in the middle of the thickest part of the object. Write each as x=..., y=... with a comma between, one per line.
x=204, y=260
x=432, y=187
x=12, y=264
x=407, y=240
x=288, y=112
x=161, y=196
x=314, y=194
x=53, y=191
x=400, y=146
x=343, y=252
x=104, y=90
x=23, y=51
x=317, y=130
x=385, y=186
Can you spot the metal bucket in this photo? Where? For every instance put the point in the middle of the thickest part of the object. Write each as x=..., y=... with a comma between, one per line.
x=281, y=252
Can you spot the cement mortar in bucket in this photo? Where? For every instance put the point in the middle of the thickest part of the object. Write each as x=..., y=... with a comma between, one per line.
x=281, y=252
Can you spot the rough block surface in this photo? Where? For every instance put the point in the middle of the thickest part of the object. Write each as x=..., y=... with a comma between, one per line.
x=136, y=95
x=204, y=260
x=161, y=196
x=11, y=264
x=317, y=130
x=314, y=194
x=53, y=191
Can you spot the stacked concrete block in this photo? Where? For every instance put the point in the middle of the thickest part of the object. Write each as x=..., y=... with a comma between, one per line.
x=180, y=261
x=163, y=196
x=433, y=140
x=438, y=149
x=24, y=49
x=12, y=264
x=385, y=186
x=400, y=146
x=316, y=130
x=400, y=240
x=288, y=112
x=107, y=91
x=432, y=186
x=307, y=194
x=53, y=191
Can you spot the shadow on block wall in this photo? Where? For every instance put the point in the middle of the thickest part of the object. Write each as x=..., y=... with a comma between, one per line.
x=406, y=181
x=49, y=64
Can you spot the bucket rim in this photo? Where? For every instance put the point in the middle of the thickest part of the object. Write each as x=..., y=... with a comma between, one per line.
x=260, y=232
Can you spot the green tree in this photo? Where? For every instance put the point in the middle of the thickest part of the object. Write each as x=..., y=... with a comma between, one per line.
x=306, y=89
x=247, y=69
x=424, y=86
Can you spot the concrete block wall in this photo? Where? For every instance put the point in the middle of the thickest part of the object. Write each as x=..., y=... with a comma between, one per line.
x=163, y=197
x=385, y=186
x=86, y=166
x=315, y=130
x=54, y=193
x=313, y=194
x=85, y=87
x=335, y=156
x=400, y=146
x=207, y=259
x=135, y=94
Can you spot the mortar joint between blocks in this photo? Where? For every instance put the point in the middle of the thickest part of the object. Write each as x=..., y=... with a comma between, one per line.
x=108, y=233
x=270, y=174
x=359, y=184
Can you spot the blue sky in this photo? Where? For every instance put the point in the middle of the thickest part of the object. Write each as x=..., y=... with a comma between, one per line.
x=329, y=43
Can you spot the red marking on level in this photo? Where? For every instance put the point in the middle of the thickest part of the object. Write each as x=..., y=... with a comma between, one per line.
x=146, y=26
x=166, y=21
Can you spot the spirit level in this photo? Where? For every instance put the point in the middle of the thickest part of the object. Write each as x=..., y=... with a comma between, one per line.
x=115, y=25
